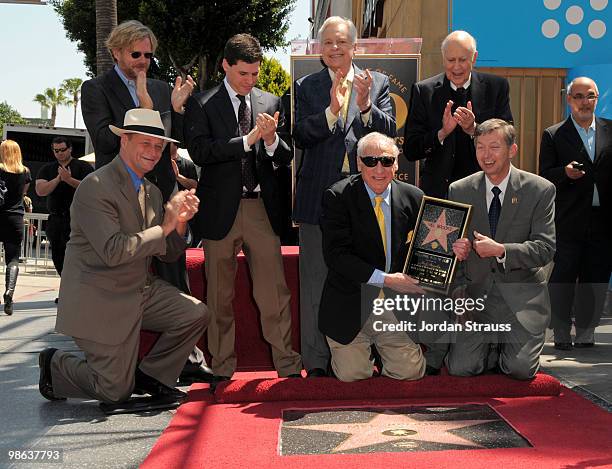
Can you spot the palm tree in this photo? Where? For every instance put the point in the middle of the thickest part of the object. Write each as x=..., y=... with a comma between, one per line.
x=72, y=86
x=50, y=99
x=106, y=20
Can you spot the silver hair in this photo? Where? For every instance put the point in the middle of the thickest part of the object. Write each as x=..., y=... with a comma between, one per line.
x=352, y=30
x=459, y=36
x=383, y=142
x=570, y=86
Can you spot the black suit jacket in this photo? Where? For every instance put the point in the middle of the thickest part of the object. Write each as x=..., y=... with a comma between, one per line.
x=561, y=144
x=324, y=150
x=214, y=142
x=353, y=249
x=490, y=98
x=106, y=99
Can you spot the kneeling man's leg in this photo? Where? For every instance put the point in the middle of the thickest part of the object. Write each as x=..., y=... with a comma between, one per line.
x=519, y=356
x=467, y=355
x=351, y=362
x=181, y=319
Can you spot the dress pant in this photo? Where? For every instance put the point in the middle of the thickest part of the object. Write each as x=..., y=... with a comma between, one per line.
x=253, y=234
x=515, y=353
x=579, y=281
x=313, y=272
x=402, y=359
x=107, y=372
x=58, y=234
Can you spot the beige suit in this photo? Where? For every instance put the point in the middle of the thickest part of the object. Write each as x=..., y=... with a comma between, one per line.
x=107, y=294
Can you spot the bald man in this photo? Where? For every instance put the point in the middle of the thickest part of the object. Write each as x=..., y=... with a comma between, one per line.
x=444, y=112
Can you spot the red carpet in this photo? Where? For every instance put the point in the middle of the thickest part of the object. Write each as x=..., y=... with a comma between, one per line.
x=566, y=430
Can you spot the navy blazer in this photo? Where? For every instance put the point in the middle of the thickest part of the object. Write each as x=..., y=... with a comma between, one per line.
x=490, y=98
x=353, y=249
x=561, y=144
x=214, y=142
x=324, y=150
x=106, y=99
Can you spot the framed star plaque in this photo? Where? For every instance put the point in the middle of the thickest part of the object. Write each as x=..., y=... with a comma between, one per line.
x=430, y=258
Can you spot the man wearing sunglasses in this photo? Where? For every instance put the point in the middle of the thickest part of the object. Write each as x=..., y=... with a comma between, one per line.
x=365, y=219
x=106, y=99
x=576, y=155
x=334, y=108
x=58, y=182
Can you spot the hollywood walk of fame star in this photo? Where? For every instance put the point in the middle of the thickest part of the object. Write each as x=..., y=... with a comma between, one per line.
x=390, y=426
x=438, y=231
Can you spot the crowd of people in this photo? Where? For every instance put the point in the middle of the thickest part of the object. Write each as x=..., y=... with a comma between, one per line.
x=130, y=218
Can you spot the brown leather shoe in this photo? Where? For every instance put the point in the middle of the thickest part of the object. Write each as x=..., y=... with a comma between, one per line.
x=45, y=386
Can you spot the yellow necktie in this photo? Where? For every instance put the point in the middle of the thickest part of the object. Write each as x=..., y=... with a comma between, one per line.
x=141, y=202
x=380, y=218
x=346, y=167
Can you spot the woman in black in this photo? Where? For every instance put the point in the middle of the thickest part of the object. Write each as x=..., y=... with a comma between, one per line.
x=17, y=178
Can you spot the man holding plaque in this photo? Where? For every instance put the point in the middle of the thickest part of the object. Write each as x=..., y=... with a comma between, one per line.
x=364, y=222
x=513, y=238
x=576, y=155
x=334, y=108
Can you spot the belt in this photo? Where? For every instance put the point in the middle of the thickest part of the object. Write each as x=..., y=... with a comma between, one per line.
x=250, y=195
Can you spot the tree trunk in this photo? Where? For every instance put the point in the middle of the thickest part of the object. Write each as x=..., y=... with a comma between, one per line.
x=202, y=69
x=75, y=113
x=106, y=20
x=53, y=115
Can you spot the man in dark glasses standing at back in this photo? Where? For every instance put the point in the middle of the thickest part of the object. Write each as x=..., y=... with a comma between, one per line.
x=365, y=221
x=106, y=99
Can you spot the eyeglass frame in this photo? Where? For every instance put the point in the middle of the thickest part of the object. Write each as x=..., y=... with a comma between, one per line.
x=136, y=55
x=582, y=97
x=382, y=159
x=60, y=150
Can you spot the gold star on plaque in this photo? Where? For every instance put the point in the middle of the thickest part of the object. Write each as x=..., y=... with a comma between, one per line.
x=438, y=231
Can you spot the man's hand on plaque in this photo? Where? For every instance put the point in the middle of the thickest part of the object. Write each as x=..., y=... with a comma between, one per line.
x=487, y=247
x=462, y=248
x=403, y=283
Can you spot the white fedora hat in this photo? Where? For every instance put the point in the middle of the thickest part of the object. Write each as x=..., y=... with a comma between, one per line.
x=144, y=122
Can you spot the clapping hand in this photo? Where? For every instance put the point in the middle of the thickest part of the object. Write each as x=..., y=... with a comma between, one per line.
x=338, y=93
x=182, y=90
x=141, y=91
x=464, y=116
x=267, y=126
x=362, y=84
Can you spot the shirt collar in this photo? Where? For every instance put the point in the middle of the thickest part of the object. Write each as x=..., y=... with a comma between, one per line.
x=136, y=180
x=349, y=76
x=124, y=79
x=386, y=195
x=232, y=92
x=502, y=185
x=579, y=127
x=465, y=86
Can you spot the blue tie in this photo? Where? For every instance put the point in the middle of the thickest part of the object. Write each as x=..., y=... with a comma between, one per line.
x=494, y=210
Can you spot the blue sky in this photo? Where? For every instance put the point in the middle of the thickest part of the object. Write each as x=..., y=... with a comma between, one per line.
x=37, y=55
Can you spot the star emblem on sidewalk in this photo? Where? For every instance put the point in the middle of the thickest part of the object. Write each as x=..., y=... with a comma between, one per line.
x=438, y=231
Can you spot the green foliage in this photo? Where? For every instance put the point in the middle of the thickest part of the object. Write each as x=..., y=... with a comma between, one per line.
x=191, y=33
x=8, y=115
x=51, y=98
x=272, y=77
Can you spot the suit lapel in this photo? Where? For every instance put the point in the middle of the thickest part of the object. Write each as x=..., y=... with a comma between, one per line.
x=225, y=108
x=115, y=85
x=478, y=93
x=480, y=217
x=353, y=109
x=441, y=95
x=602, y=139
x=574, y=141
x=149, y=212
x=124, y=183
x=258, y=106
x=399, y=221
x=510, y=205
x=369, y=218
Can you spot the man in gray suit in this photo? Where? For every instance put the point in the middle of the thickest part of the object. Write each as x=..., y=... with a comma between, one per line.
x=513, y=239
x=107, y=292
x=334, y=108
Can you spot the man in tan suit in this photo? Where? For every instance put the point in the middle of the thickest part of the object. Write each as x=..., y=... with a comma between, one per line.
x=107, y=293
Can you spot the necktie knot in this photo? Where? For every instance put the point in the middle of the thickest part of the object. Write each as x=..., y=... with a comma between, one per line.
x=496, y=191
x=378, y=201
x=241, y=98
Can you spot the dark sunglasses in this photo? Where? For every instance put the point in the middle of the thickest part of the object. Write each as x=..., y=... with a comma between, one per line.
x=60, y=150
x=372, y=161
x=137, y=54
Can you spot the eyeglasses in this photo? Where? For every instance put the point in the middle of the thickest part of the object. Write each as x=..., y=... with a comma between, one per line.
x=372, y=161
x=137, y=54
x=581, y=97
x=60, y=150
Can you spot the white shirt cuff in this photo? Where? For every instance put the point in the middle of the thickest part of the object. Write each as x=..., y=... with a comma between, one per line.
x=331, y=119
x=272, y=148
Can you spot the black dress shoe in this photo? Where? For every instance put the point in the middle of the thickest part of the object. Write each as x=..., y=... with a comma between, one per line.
x=563, y=345
x=146, y=384
x=195, y=374
x=431, y=371
x=44, y=381
x=316, y=373
x=140, y=404
x=584, y=344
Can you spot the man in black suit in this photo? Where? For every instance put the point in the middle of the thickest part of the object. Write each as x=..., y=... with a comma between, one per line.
x=106, y=99
x=231, y=132
x=334, y=108
x=365, y=221
x=444, y=111
x=576, y=155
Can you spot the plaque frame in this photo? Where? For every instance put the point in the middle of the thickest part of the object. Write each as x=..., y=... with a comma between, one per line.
x=430, y=253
